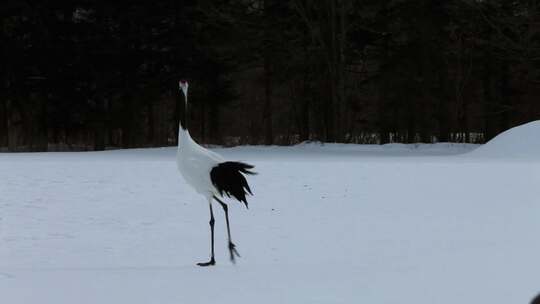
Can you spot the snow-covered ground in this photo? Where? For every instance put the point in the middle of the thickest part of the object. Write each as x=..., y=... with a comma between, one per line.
x=328, y=224
x=519, y=142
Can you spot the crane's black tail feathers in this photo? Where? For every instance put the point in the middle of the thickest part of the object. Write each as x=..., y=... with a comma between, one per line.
x=228, y=177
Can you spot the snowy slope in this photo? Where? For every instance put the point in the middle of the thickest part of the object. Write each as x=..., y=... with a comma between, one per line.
x=519, y=142
x=328, y=224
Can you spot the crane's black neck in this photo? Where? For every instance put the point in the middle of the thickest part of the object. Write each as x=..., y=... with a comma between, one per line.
x=183, y=111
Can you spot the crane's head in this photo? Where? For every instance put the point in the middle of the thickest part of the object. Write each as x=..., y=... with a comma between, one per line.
x=183, y=86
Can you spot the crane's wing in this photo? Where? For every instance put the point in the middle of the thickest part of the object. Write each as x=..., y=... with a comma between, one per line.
x=228, y=177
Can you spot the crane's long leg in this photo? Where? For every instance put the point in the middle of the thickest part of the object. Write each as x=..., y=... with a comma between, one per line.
x=212, y=260
x=232, y=248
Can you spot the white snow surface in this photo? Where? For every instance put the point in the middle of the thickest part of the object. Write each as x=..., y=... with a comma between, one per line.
x=328, y=224
x=519, y=142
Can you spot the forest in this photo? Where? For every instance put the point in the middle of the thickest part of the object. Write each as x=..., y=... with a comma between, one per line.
x=96, y=75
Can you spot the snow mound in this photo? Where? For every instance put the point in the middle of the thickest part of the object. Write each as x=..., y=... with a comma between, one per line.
x=522, y=141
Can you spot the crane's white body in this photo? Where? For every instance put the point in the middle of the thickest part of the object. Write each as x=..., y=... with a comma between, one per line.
x=195, y=163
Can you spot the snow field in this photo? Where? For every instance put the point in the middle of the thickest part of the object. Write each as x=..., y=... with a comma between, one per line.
x=327, y=224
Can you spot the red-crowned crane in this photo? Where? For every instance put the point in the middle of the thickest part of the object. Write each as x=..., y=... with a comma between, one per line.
x=210, y=175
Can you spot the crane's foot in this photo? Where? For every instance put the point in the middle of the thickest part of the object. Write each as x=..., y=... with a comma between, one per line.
x=212, y=262
x=234, y=253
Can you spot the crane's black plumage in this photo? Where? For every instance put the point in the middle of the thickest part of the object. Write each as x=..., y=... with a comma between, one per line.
x=228, y=178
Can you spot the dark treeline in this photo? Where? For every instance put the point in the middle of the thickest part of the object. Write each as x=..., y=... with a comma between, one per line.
x=92, y=75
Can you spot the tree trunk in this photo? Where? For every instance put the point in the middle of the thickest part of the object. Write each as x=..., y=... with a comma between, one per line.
x=488, y=109
x=213, y=128
x=151, y=124
x=506, y=99
x=267, y=108
x=334, y=123
x=203, y=122
x=4, y=126
x=99, y=136
x=343, y=118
